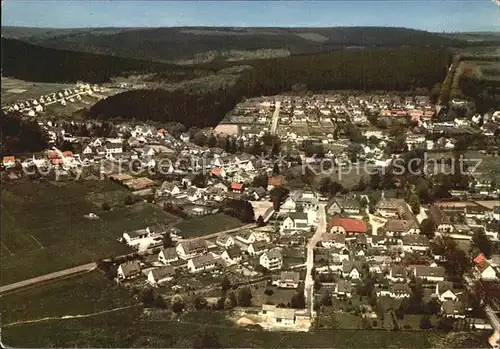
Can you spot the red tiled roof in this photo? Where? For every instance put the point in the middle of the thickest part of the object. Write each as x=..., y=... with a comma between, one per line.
x=52, y=154
x=67, y=153
x=7, y=159
x=351, y=225
x=217, y=171
x=275, y=181
x=236, y=186
x=56, y=161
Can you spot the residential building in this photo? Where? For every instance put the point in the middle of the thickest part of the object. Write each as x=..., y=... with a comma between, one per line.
x=257, y=248
x=343, y=289
x=289, y=279
x=278, y=316
x=245, y=236
x=453, y=309
x=415, y=243
x=330, y=240
x=225, y=241
x=444, y=291
x=351, y=270
x=128, y=270
x=349, y=206
x=347, y=226
x=401, y=227
x=295, y=221
x=389, y=207
x=158, y=276
x=272, y=259
x=133, y=238
x=232, y=255
x=400, y=291
x=189, y=249
x=429, y=274
x=201, y=263
x=168, y=255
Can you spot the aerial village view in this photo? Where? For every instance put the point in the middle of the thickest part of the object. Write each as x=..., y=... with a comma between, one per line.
x=308, y=217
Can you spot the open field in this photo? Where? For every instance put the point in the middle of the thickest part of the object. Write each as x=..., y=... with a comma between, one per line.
x=280, y=295
x=123, y=329
x=14, y=89
x=78, y=295
x=44, y=228
x=207, y=225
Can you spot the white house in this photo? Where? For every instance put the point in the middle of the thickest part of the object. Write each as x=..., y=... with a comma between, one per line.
x=169, y=188
x=343, y=289
x=225, y=240
x=245, y=236
x=351, y=270
x=415, y=243
x=158, y=276
x=257, y=248
x=400, y=291
x=201, y=263
x=429, y=274
x=189, y=249
x=295, y=221
x=272, y=259
x=278, y=316
x=444, y=291
x=168, y=255
x=232, y=255
x=128, y=270
x=133, y=238
x=329, y=240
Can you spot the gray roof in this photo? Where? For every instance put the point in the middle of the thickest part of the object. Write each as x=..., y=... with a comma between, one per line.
x=415, y=240
x=290, y=276
x=201, y=261
x=401, y=288
x=234, y=252
x=169, y=253
x=344, y=286
x=194, y=245
x=137, y=233
x=298, y=215
x=444, y=286
x=130, y=268
x=274, y=253
x=163, y=272
x=424, y=271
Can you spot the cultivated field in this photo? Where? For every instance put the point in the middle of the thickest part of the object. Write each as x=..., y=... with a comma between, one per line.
x=44, y=228
x=78, y=295
x=207, y=225
x=14, y=89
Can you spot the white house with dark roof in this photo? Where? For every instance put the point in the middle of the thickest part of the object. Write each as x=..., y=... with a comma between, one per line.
x=272, y=259
x=158, y=276
x=329, y=240
x=168, y=255
x=189, y=249
x=429, y=274
x=343, y=289
x=415, y=243
x=246, y=236
x=444, y=291
x=128, y=270
x=133, y=238
x=232, y=255
x=201, y=263
x=225, y=240
x=257, y=248
x=295, y=221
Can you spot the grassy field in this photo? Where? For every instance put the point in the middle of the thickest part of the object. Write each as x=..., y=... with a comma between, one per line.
x=83, y=294
x=44, y=228
x=207, y=225
x=123, y=329
x=279, y=295
x=14, y=89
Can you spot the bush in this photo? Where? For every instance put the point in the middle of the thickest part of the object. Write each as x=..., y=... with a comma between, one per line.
x=106, y=207
x=375, y=323
x=268, y=292
x=407, y=327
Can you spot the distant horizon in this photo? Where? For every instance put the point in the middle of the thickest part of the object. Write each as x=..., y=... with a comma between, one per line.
x=435, y=16
x=255, y=27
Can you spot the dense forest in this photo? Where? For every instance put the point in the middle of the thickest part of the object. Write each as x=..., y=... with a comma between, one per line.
x=20, y=135
x=380, y=69
x=35, y=63
x=173, y=44
x=484, y=93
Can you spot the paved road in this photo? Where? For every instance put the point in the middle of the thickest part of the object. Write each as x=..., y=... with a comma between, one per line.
x=309, y=282
x=276, y=116
x=47, y=277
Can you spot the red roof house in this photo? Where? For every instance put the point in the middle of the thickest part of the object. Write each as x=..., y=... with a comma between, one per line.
x=236, y=186
x=340, y=225
x=67, y=153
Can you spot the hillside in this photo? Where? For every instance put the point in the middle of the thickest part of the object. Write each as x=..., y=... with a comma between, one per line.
x=202, y=44
x=29, y=62
x=378, y=69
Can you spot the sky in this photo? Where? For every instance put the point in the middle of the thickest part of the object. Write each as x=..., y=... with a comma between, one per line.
x=430, y=15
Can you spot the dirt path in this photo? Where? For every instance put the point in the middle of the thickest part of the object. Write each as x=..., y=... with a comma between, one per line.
x=66, y=317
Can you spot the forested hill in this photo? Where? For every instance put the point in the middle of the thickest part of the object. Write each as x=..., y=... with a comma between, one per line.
x=184, y=43
x=35, y=63
x=382, y=69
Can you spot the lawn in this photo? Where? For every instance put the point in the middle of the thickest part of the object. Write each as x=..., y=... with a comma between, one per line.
x=82, y=294
x=125, y=330
x=207, y=225
x=44, y=228
x=280, y=295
